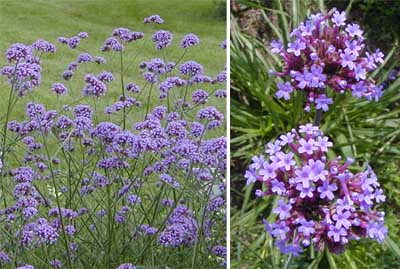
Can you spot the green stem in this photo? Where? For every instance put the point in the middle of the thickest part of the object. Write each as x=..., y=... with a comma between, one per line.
x=318, y=117
x=148, y=102
x=123, y=89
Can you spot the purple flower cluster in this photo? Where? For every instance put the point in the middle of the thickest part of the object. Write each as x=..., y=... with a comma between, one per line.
x=189, y=40
x=95, y=85
x=59, y=88
x=25, y=73
x=324, y=53
x=153, y=18
x=44, y=46
x=162, y=39
x=182, y=229
x=74, y=41
x=322, y=202
x=126, y=266
x=127, y=35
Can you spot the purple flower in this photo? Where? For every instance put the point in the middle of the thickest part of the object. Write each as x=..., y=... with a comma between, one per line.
x=278, y=187
x=341, y=219
x=189, y=40
x=305, y=191
x=59, y=88
x=84, y=58
x=112, y=43
x=285, y=160
x=18, y=52
x=327, y=190
x=73, y=42
x=153, y=18
x=306, y=63
x=307, y=227
x=126, y=266
x=336, y=233
x=377, y=231
x=191, y=68
x=296, y=47
x=339, y=18
x=354, y=30
x=199, y=97
x=268, y=171
x=284, y=90
x=329, y=205
x=280, y=229
x=322, y=102
x=283, y=210
x=162, y=39
x=44, y=46
x=307, y=146
x=83, y=35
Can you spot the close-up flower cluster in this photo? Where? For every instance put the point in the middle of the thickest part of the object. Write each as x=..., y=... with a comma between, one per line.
x=326, y=52
x=147, y=181
x=321, y=201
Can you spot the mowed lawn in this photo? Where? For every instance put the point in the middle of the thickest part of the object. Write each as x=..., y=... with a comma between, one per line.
x=28, y=20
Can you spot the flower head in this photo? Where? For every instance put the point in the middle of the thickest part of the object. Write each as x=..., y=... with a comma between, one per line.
x=325, y=52
x=321, y=200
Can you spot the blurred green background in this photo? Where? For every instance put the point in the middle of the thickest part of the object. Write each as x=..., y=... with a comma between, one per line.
x=367, y=131
x=27, y=21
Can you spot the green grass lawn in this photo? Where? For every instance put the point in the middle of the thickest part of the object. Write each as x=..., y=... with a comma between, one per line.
x=27, y=21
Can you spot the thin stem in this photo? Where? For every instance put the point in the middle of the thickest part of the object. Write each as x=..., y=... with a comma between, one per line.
x=148, y=102
x=123, y=89
x=318, y=117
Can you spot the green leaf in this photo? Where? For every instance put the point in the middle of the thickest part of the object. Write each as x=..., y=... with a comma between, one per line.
x=331, y=260
x=392, y=246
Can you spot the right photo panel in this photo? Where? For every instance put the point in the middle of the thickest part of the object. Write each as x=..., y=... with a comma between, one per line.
x=315, y=137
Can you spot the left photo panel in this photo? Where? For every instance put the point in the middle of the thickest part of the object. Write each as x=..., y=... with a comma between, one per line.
x=113, y=148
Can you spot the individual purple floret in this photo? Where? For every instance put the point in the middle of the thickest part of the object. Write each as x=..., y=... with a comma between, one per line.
x=162, y=39
x=322, y=202
x=326, y=53
x=189, y=40
x=153, y=18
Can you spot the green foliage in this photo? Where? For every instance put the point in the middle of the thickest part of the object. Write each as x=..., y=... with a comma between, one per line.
x=365, y=130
